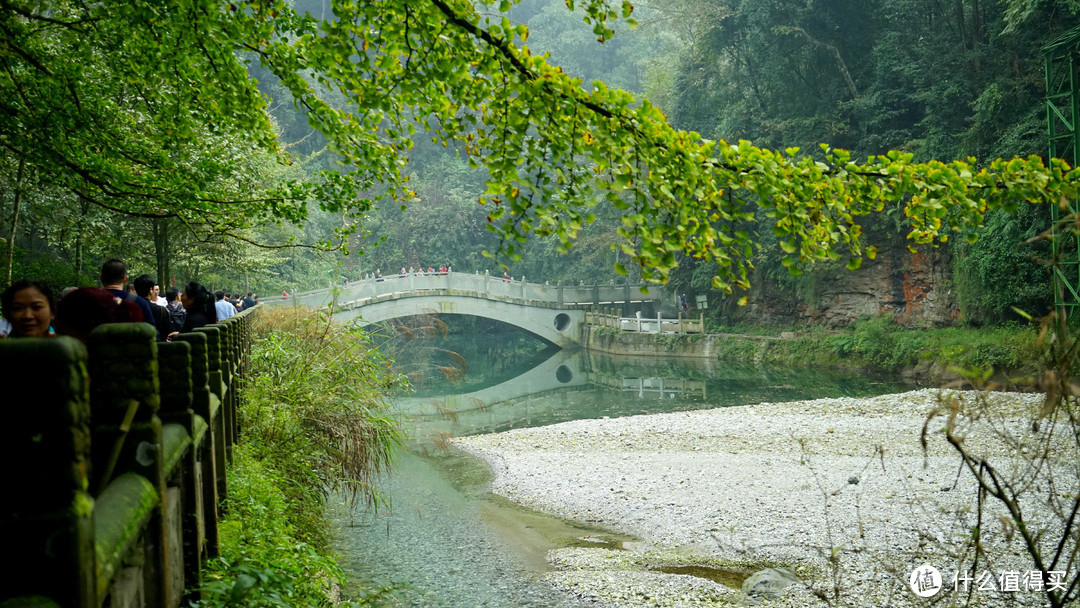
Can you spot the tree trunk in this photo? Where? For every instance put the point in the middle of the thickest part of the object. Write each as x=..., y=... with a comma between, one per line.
x=9, y=261
x=160, y=229
x=841, y=65
x=84, y=209
x=960, y=23
x=976, y=24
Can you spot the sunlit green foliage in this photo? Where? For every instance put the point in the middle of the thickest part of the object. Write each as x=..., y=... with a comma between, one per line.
x=938, y=80
x=169, y=118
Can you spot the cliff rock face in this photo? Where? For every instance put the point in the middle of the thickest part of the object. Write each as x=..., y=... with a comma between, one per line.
x=915, y=287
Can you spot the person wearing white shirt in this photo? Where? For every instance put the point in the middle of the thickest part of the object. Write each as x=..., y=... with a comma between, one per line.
x=224, y=309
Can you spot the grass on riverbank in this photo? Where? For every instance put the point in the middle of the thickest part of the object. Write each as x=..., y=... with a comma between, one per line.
x=314, y=422
x=880, y=343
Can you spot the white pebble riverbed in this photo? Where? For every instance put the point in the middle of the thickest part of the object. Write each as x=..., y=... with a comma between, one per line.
x=839, y=491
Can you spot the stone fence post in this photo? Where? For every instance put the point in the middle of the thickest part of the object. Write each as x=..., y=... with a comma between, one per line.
x=114, y=485
x=46, y=436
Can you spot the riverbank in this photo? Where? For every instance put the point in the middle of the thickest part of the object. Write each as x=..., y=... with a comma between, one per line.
x=315, y=418
x=838, y=491
x=931, y=356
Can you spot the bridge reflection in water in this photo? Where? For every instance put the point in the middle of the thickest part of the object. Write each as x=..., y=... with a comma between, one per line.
x=570, y=385
x=579, y=384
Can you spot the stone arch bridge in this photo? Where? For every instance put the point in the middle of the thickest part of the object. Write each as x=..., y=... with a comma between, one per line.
x=556, y=313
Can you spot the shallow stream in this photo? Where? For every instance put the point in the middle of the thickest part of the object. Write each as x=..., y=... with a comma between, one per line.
x=448, y=542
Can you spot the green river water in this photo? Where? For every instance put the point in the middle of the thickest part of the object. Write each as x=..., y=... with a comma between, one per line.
x=447, y=541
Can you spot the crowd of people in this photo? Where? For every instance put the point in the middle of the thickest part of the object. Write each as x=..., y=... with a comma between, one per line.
x=31, y=310
x=418, y=271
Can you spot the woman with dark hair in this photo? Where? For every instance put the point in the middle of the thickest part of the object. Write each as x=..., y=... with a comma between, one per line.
x=30, y=307
x=199, y=305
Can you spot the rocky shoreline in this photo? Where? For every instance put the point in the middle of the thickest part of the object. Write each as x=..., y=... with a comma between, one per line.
x=839, y=492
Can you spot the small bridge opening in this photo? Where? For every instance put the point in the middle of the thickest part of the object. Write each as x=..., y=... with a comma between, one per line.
x=562, y=321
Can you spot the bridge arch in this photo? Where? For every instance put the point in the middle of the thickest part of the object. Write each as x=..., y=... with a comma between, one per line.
x=553, y=312
x=561, y=327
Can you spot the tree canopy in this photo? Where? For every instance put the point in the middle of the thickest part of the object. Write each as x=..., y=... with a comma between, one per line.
x=149, y=108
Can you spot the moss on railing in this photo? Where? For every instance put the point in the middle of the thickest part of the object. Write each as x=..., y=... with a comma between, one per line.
x=147, y=438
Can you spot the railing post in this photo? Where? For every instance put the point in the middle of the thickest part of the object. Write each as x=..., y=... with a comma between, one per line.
x=207, y=406
x=174, y=375
x=223, y=418
x=46, y=439
x=125, y=399
x=230, y=360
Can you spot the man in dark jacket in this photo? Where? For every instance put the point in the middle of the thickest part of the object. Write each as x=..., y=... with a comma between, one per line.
x=177, y=314
x=144, y=283
x=113, y=276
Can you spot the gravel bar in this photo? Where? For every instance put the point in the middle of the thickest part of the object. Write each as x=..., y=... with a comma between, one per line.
x=841, y=492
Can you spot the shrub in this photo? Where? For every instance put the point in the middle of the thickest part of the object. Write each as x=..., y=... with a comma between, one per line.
x=315, y=421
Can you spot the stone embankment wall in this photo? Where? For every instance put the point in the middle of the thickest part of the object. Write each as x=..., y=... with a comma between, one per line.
x=629, y=344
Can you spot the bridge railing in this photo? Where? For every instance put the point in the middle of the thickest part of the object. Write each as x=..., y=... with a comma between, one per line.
x=485, y=285
x=116, y=455
x=647, y=325
x=652, y=385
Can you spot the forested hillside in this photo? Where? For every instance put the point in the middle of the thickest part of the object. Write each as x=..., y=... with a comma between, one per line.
x=940, y=80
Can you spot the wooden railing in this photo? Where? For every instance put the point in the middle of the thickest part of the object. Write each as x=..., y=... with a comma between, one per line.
x=647, y=325
x=116, y=455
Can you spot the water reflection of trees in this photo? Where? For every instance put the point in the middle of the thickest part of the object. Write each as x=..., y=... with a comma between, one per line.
x=459, y=353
